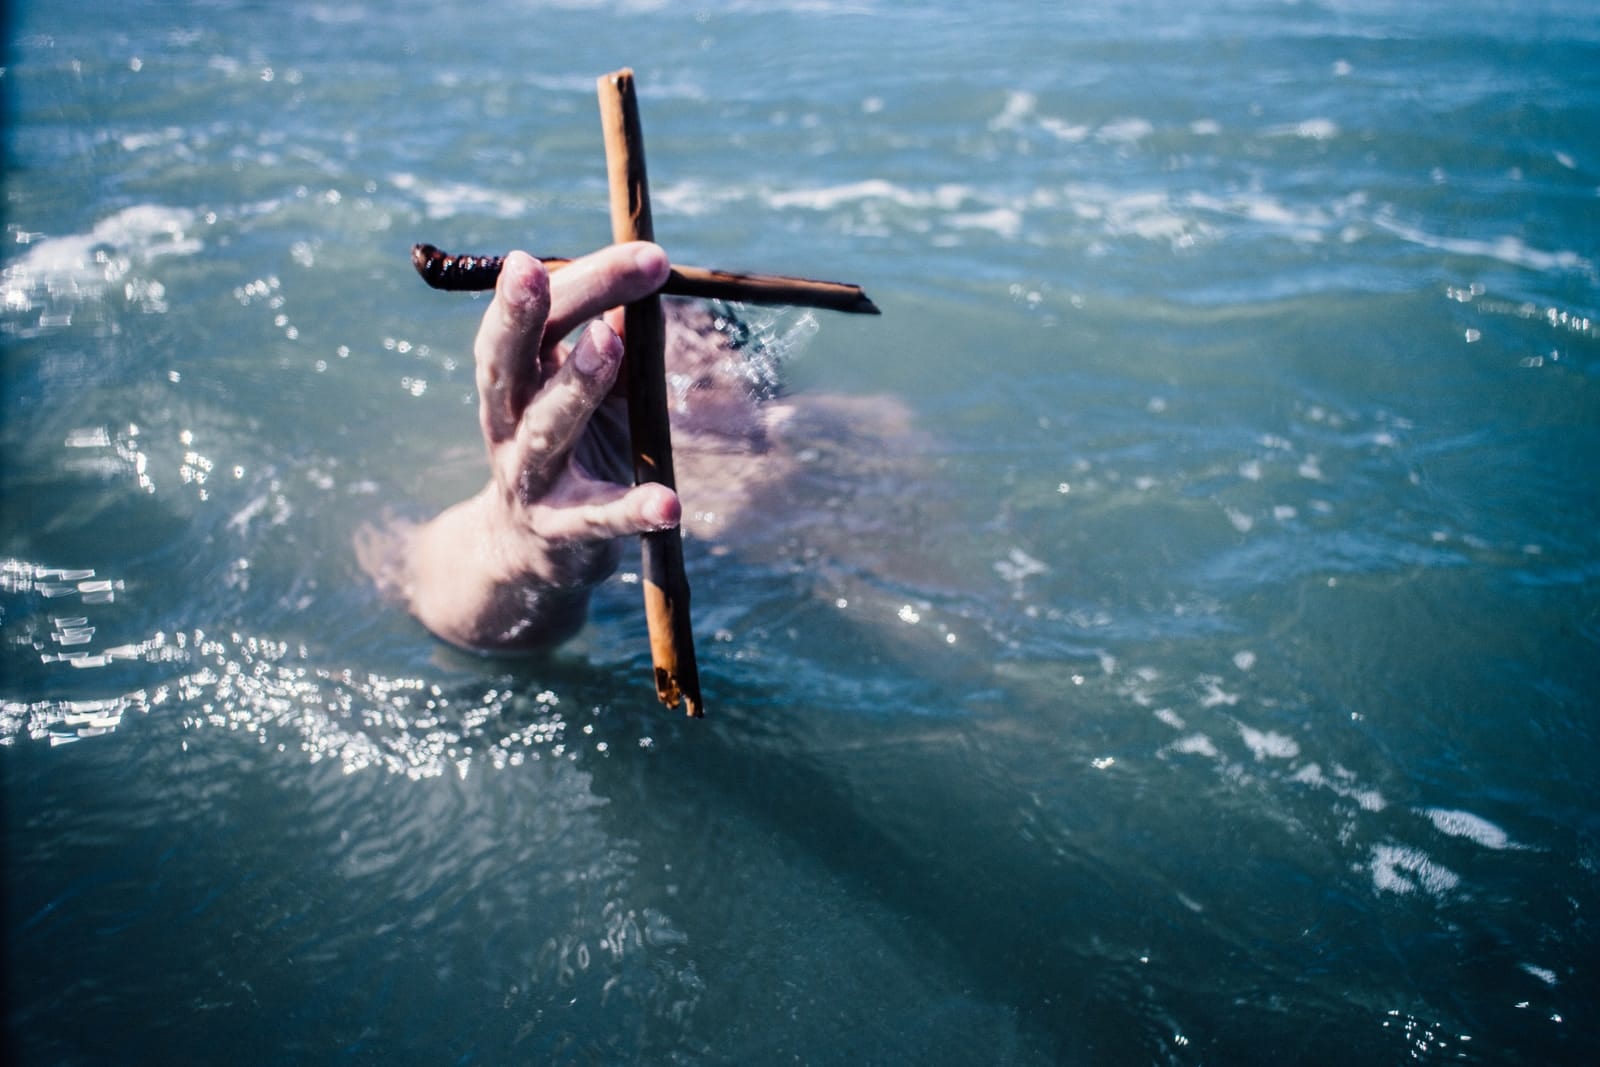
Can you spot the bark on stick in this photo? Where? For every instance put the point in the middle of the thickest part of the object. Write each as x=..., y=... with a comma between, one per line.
x=666, y=587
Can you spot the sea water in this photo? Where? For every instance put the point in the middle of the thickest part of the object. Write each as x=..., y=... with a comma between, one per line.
x=1203, y=670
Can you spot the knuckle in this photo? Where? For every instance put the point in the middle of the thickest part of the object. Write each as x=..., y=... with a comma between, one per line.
x=539, y=442
x=597, y=521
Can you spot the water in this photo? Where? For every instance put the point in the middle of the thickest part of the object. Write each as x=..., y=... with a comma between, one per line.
x=1206, y=673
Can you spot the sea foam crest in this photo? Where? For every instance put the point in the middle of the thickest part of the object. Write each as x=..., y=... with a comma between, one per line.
x=57, y=271
x=143, y=232
x=445, y=199
x=1508, y=249
x=1396, y=869
x=1472, y=827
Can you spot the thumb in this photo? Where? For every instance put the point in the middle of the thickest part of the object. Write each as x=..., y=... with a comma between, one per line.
x=608, y=511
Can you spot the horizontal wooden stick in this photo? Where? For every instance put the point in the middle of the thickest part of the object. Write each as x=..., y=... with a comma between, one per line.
x=478, y=273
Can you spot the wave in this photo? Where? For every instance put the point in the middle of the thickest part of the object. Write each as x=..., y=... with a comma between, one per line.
x=444, y=199
x=143, y=232
x=87, y=264
x=1507, y=249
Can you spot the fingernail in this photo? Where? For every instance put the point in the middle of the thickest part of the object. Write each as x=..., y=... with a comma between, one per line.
x=666, y=512
x=592, y=352
x=651, y=260
x=523, y=290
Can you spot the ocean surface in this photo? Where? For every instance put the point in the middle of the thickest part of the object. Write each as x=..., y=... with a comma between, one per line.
x=1189, y=654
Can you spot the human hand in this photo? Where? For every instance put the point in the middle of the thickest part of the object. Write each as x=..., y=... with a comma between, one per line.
x=512, y=567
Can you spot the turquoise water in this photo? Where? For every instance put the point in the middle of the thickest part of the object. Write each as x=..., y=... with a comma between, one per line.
x=1187, y=652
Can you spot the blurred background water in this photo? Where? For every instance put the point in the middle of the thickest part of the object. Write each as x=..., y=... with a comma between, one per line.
x=1208, y=674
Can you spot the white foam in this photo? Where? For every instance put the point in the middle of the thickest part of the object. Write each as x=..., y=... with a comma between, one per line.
x=1063, y=130
x=1214, y=695
x=1149, y=214
x=1508, y=249
x=1022, y=106
x=441, y=200
x=1367, y=799
x=1018, y=106
x=827, y=198
x=1195, y=745
x=1310, y=129
x=58, y=273
x=1268, y=744
x=1396, y=869
x=692, y=197
x=1304, y=224
x=1019, y=566
x=143, y=232
x=1125, y=131
x=1470, y=826
x=1003, y=221
x=1544, y=974
x=135, y=142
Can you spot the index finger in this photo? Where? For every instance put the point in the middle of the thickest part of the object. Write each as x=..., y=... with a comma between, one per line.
x=506, y=351
x=615, y=275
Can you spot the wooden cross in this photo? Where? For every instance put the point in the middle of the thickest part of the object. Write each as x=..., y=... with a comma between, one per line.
x=666, y=587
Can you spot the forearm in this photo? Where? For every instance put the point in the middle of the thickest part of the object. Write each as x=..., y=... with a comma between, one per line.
x=469, y=580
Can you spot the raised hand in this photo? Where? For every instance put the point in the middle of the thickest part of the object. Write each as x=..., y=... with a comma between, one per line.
x=513, y=566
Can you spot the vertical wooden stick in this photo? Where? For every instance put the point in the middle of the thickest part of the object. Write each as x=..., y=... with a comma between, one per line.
x=666, y=588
